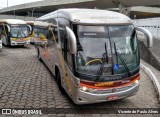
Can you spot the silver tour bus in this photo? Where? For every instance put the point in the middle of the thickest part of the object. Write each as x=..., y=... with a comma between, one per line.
x=93, y=54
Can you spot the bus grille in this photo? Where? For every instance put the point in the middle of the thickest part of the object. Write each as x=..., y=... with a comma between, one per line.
x=110, y=90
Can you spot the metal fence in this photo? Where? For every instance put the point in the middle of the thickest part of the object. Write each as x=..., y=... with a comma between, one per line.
x=152, y=24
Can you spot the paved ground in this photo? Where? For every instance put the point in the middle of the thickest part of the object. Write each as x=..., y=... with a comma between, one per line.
x=25, y=82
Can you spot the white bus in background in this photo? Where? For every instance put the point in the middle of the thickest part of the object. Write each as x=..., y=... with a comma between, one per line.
x=93, y=54
x=39, y=31
x=14, y=32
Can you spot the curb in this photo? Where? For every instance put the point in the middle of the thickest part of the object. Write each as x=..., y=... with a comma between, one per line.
x=153, y=78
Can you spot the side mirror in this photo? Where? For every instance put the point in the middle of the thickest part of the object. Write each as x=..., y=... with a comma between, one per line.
x=148, y=35
x=9, y=29
x=30, y=29
x=72, y=41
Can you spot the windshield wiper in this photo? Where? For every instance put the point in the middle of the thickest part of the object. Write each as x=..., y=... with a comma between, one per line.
x=18, y=33
x=122, y=60
x=104, y=59
x=23, y=33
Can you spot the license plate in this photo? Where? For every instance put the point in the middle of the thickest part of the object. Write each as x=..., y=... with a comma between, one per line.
x=19, y=40
x=112, y=98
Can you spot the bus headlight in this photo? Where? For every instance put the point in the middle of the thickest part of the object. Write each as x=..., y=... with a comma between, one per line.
x=137, y=81
x=85, y=89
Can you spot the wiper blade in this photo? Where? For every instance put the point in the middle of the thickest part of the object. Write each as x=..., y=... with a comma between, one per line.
x=18, y=33
x=122, y=60
x=104, y=59
x=23, y=33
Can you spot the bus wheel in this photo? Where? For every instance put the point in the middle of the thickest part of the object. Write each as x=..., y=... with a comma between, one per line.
x=39, y=56
x=58, y=78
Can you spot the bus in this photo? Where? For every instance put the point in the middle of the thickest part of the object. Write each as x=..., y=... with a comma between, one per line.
x=14, y=32
x=93, y=54
x=39, y=31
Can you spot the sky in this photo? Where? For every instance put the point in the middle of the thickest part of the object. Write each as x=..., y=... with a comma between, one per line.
x=3, y=3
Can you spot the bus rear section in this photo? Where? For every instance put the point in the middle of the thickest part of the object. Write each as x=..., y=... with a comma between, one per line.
x=94, y=54
x=14, y=32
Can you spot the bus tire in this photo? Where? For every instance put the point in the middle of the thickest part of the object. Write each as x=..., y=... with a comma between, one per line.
x=58, y=78
x=39, y=55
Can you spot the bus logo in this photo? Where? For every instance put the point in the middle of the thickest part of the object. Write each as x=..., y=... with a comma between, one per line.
x=104, y=84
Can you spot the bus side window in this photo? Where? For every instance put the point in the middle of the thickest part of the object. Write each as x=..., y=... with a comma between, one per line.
x=51, y=38
x=4, y=32
x=64, y=40
x=54, y=30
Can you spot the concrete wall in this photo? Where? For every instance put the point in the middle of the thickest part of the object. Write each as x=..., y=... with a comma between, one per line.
x=17, y=17
x=151, y=55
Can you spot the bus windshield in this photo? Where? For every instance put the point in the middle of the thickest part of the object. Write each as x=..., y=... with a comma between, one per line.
x=19, y=31
x=41, y=32
x=96, y=41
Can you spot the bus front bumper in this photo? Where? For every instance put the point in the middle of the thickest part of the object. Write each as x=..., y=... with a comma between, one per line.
x=88, y=98
x=15, y=43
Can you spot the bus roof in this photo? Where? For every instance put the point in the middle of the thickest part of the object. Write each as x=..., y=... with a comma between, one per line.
x=30, y=22
x=91, y=16
x=39, y=23
x=12, y=21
